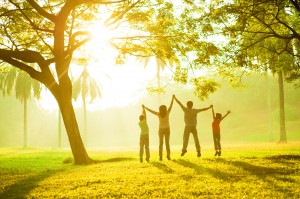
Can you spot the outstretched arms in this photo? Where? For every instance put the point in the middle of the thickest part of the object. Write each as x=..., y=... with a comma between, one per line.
x=225, y=114
x=180, y=104
x=204, y=109
x=150, y=110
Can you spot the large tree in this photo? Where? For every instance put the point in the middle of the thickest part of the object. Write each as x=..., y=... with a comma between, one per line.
x=47, y=33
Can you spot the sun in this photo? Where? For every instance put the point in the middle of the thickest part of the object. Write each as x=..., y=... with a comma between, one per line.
x=100, y=35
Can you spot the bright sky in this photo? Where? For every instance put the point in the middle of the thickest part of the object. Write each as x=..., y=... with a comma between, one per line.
x=120, y=85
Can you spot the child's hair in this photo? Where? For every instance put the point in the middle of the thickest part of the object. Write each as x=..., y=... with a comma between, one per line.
x=142, y=117
x=218, y=115
x=189, y=104
x=162, y=110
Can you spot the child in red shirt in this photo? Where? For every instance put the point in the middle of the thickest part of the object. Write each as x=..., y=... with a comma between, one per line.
x=217, y=118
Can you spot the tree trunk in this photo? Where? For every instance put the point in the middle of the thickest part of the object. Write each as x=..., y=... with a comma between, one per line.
x=269, y=108
x=158, y=66
x=59, y=129
x=281, y=107
x=68, y=115
x=25, y=124
x=84, y=122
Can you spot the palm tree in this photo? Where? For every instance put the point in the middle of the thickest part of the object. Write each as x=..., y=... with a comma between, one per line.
x=87, y=87
x=10, y=79
x=59, y=129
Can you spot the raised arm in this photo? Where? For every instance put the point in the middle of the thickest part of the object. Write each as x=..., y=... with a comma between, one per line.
x=170, y=107
x=204, y=109
x=150, y=110
x=144, y=112
x=225, y=115
x=180, y=104
x=213, y=112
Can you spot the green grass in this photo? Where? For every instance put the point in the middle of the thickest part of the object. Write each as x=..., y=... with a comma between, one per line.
x=243, y=171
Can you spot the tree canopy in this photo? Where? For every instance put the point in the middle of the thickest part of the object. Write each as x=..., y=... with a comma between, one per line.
x=262, y=34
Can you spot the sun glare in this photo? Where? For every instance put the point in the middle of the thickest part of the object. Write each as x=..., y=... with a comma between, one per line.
x=120, y=85
x=100, y=35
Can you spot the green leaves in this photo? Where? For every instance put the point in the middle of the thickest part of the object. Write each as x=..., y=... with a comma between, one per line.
x=204, y=87
x=181, y=75
x=155, y=89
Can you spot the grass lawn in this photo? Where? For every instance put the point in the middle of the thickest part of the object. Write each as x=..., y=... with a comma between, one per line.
x=243, y=171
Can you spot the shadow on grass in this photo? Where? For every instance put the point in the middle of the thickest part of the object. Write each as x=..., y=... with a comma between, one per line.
x=264, y=173
x=284, y=157
x=202, y=170
x=114, y=160
x=162, y=167
x=261, y=171
x=288, y=160
x=22, y=188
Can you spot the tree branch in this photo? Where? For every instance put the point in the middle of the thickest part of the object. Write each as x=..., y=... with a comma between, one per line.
x=13, y=57
x=75, y=45
x=120, y=16
x=41, y=11
x=296, y=3
x=35, y=27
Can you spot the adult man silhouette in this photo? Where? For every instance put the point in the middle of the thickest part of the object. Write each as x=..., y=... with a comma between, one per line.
x=190, y=119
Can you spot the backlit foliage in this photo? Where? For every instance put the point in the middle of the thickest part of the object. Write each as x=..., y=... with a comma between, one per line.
x=204, y=87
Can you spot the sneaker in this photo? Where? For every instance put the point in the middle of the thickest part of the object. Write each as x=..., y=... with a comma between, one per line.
x=199, y=154
x=183, y=152
x=219, y=154
x=147, y=159
x=169, y=158
x=141, y=160
x=160, y=158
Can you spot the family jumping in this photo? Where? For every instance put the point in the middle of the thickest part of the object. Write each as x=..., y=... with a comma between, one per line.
x=190, y=119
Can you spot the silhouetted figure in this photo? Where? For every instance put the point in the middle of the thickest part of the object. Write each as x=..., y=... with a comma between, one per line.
x=164, y=128
x=190, y=119
x=144, y=136
x=217, y=118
